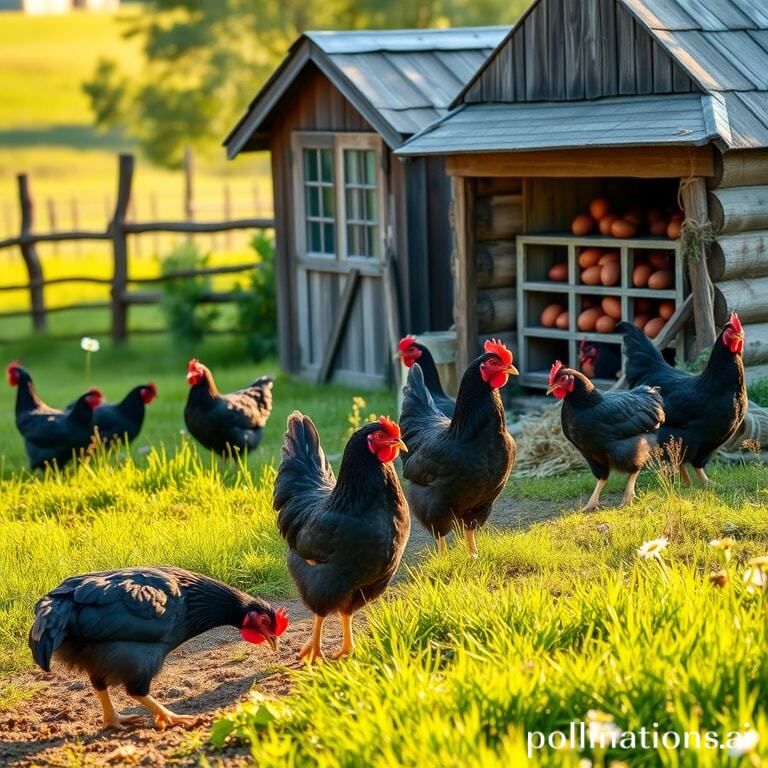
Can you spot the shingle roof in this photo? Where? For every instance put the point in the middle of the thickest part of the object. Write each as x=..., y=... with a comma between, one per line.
x=399, y=80
x=721, y=44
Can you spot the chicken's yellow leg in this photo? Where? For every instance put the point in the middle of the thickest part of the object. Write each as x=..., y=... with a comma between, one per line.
x=629, y=490
x=347, y=643
x=594, y=499
x=441, y=548
x=684, y=476
x=312, y=651
x=163, y=716
x=469, y=537
x=111, y=718
x=702, y=475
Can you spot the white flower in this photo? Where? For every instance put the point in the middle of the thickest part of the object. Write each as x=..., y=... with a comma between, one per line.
x=603, y=732
x=652, y=548
x=755, y=579
x=743, y=743
x=89, y=345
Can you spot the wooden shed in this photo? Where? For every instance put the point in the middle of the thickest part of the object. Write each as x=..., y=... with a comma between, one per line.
x=645, y=104
x=349, y=218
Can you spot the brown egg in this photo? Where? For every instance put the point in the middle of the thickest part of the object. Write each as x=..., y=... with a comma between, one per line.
x=660, y=259
x=598, y=208
x=549, y=315
x=658, y=228
x=640, y=275
x=563, y=321
x=582, y=225
x=666, y=308
x=606, y=223
x=589, y=257
x=612, y=307
x=591, y=275
x=643, y=306
x=652, y=327
x=674, y=228
x=635, y=215
x=587, y=319
x=558, y=272
x=661, y=280
x=623, y=228
x=641, y=320
x=653, y=214
x=605, y=324
x=587, y=302
x=610, y=273
x=607, y=257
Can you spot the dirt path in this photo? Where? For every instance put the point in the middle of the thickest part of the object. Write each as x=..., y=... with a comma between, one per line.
x=60, y=724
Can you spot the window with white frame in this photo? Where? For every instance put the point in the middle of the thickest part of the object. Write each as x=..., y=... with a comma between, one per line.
x=339, y=195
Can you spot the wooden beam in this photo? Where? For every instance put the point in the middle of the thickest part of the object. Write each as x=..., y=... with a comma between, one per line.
x=29, y=254
x=120, y=249
x=637, y=162
x=337, y=331
x=693, y=193
x=465, y=285
x=393, y=313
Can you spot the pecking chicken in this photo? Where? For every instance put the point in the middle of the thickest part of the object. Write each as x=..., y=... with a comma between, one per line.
x=410, y=352
x=226, y=424
x=117, y=422
x=702, y=410
x=345, y=536
x=615, y=430
x=118, y=627
x=598, y=360
x=458, y=466
x=51, y=437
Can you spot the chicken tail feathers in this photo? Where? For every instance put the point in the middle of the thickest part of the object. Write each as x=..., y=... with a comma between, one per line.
x=303, y=474
x=641, y=353
x=261, y=393
x=49, y=629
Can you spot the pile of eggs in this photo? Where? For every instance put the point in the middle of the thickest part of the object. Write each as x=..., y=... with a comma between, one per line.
x=634, y=220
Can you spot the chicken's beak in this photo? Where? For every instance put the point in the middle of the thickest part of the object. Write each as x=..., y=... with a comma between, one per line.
x=402, y=446
x=550, y=389
x=510, y=370
x=273, y=642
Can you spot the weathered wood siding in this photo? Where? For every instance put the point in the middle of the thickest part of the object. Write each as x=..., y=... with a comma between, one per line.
x=568, y=50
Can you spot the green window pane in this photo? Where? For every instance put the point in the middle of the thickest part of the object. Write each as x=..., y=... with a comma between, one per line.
x=370, y=167
x=329, y=244
x=353, y=204
x=351, y=167
x=371, y=205
x=314, y=241
x=326, y=164
x=312, y=195
x=328, y=203
x=310, y=164
x=372, y=245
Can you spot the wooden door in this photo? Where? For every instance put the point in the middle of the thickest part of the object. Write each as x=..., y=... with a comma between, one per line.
x=340, y=226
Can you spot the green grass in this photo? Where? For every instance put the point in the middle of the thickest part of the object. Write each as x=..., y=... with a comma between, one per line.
x=467, y=657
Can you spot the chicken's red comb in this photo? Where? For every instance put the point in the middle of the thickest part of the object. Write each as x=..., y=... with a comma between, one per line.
x=192, y=366
x=152, y=388
x=390, y=427
x=406, y=342
x=557, y=366
x=281, y=621
x=736, y=323
x=496, y=347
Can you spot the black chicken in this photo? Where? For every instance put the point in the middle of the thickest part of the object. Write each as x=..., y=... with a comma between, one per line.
x=117, y=422
x=226, y=424
x=410, y=352
x=51, y=437
x=457, y=467
x=615, y=430
x=703, y=411
x=598, y=360
x=345, y=536
x=118, y=627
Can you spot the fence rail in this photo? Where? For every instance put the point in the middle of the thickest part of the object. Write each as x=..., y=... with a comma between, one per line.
x=117, y=232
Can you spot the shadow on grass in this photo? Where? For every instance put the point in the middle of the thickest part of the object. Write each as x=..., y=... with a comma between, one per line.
x=73, y=136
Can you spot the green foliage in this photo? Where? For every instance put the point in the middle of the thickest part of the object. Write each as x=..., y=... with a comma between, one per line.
x=471, y=655
x=758, y=392
x=106, y=93
x=205, y=60
x=257, y=304
x=187, y=319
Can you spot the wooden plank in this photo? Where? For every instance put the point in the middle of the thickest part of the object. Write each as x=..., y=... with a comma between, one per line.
x=745, y=296
x=626, y=35
x=643, y=61
x=120, y=248
x=662, y=69
x=29, y=254
x=337, y=332
x=592, y=50
x=693, y=193
x=739, y=255
x=495, y=264
x=536, y=54
x=741, y=168
x=573, y=47
x=393, y=315
x=638, y=162
x=739, y=209
x=519, y=64
x=189, y=227
x=440, y=245
x=756, y=344
x=608, y=55
x=558, y=53
x=465, y=290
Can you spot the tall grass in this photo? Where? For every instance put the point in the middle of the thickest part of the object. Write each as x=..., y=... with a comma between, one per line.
x=468, y=657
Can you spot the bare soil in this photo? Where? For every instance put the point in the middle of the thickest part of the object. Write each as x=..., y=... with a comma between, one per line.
x=60, y=725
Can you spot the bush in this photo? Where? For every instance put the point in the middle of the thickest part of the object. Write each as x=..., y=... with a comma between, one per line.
x=257, y=303
x=188, y=321
x=758, y=392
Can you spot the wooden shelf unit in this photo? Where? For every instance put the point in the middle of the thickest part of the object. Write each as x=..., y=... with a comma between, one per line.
x=537, y=346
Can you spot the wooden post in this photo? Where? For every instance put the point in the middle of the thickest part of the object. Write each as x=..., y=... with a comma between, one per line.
x=227, y=214
x=75, y=215
x=465, y=279
x=52, y=220
x=339, y=326
x=189, y=189
x=154, y=216
x=694, y=197
x=29, y=254
x=120, y=249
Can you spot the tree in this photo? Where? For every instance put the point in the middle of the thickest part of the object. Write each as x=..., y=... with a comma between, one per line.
x=205, y=59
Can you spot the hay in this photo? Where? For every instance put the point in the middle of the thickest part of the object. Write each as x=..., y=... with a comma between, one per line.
x=542, y=448
x=750, y=438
